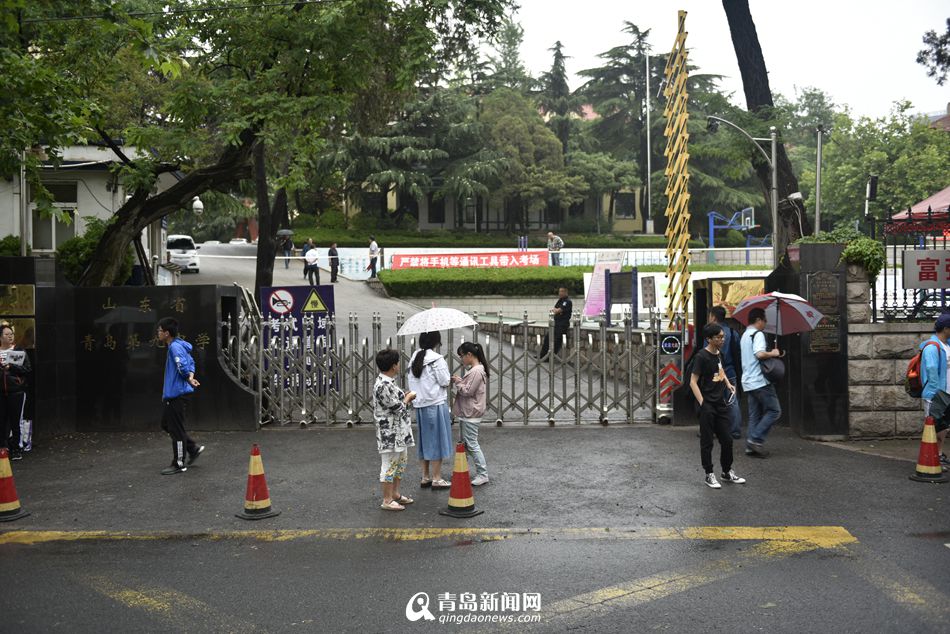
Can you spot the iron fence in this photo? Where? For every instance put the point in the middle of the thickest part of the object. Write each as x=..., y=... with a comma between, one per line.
x=302, y=376
x=908, y=231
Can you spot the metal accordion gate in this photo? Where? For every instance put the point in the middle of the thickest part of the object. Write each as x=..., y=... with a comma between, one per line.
x=601, y=374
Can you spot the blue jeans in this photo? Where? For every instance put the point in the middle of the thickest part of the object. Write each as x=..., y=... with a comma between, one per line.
x=735, y=414
x=764, y=410
x=469, y=430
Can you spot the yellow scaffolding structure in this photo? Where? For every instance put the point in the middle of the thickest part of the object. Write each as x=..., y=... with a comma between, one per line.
x=677, y=177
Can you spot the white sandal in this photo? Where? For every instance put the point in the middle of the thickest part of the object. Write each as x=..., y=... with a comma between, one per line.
x=392, y=506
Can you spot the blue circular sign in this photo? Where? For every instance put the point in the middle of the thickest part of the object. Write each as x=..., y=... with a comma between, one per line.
x=671, y=344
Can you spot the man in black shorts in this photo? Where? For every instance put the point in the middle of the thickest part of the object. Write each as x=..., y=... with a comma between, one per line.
x=706, y=382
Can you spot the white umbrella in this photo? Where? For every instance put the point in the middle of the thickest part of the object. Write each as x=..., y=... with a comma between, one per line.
x=435, y=319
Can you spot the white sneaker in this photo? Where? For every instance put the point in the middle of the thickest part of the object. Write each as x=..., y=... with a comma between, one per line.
x=712, y=482
x=732, y=477
x=479, y=480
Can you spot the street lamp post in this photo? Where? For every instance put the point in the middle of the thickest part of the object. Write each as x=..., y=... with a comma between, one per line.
x=773, y=164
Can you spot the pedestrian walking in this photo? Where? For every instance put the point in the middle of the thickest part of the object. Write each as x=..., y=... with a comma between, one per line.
x=710, y=386
x=935, y=375
x=14, y=370
x=312, y=266
x=764, y=408
x=393, y=429
x=304, y=250
x=731, y=363
x=562, y=311
x=555, y=244
x=429, y=378
x=334, y=257
x=287, y=247
x=180, y=383
x=373, y=256
x=471, y=400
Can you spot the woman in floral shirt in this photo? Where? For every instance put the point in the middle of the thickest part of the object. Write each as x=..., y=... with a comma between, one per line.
x=393, y=429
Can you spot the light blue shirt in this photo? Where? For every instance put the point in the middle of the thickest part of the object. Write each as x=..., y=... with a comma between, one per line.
x=751, y=343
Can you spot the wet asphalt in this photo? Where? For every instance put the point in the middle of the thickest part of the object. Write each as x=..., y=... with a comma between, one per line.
x=568, y=484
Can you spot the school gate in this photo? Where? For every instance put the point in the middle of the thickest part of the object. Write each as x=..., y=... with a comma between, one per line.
x=320, y=368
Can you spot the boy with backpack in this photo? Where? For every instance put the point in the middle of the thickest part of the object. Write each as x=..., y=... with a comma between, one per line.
x=935, y=375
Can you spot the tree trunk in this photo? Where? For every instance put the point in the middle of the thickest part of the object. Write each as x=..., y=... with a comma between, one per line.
x=141, y=210
x=267, y=227
x=758, y=95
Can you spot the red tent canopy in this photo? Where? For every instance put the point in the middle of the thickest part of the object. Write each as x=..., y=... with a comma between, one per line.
x=939, y=204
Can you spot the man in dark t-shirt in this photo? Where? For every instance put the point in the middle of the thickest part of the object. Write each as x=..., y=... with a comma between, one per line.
x=706, y=382
x=563, y=308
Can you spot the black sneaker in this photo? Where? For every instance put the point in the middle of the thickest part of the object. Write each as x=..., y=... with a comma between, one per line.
x=172, y=470
x=756, y=450
x=193, y=455
x=16, y=454
x=944, y=460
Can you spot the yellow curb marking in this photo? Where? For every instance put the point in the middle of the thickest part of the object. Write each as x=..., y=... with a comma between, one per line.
x=177, y=610
x=783, y=536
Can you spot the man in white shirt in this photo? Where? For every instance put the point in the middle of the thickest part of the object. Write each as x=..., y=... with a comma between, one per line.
x=764, y=408
x=373, y=256
x=312, y=266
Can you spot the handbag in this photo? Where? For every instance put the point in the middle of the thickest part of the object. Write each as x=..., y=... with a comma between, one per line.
x=773, y=368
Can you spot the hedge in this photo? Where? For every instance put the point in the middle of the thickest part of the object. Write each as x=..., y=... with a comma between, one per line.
x=527, y=282
x=471, y=239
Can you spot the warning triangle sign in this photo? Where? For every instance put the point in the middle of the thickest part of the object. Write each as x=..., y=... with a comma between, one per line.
x=314, y=303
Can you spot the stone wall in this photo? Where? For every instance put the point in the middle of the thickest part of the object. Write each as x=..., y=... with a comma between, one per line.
x=878, y=354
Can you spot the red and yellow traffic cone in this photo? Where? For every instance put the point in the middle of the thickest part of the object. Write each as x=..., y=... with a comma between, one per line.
x=928, y=461
x=9, y=502
x=257, y=499
x=461, y=499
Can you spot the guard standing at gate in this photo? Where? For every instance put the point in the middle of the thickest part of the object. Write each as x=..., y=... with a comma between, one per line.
x=562, y=311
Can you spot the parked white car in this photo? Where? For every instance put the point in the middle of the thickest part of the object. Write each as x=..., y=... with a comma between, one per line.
x=181, y=250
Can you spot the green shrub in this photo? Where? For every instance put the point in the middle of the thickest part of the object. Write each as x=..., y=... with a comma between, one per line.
x=75, y=254
x=331, y=220
x=732, y=239
x=520, y=282
x=580, y=224
x=10, y=246
x=859, y=249
x=527, y=282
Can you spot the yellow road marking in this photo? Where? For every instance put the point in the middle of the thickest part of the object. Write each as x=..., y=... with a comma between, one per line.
x=178, y=611
x=814, y=536
x=581, y=608
x=922, y=599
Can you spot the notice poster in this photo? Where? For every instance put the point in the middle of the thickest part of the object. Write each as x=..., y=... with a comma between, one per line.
x=596, y=300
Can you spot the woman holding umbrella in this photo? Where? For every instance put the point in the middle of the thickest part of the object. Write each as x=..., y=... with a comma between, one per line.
x=429, y=378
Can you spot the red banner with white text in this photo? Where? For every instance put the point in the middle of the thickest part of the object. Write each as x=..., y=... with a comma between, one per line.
x=499, y=259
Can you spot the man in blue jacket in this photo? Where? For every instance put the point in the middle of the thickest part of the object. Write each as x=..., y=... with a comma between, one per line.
x=934, y=361
x=180, y=382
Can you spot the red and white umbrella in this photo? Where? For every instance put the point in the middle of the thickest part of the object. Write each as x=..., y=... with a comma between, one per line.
x=785, y=313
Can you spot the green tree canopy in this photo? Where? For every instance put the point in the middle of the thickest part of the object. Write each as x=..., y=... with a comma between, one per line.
x=911, y=159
